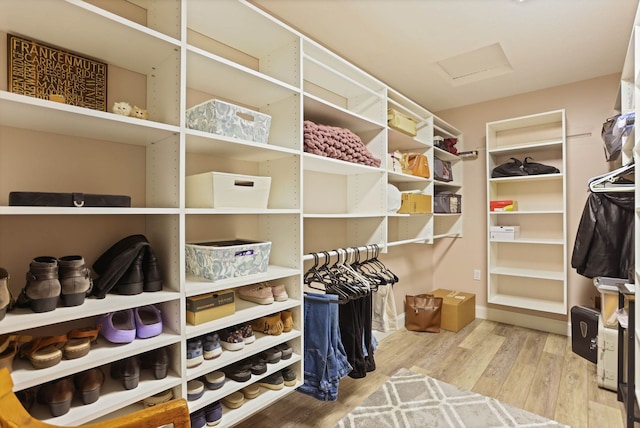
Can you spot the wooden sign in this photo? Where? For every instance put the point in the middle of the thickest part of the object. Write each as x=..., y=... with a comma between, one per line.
x=42, y=71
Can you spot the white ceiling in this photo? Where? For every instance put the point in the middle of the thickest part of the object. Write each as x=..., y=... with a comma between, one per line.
x=546, y=42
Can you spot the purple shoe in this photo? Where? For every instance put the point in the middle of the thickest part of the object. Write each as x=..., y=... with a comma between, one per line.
x=213, y=413
x=148, y=321
x=117, y=327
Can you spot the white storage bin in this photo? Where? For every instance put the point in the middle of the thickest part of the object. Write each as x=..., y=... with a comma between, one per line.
x=216, y=260
x=224, y=190
x=219, y=117
x=504, y=233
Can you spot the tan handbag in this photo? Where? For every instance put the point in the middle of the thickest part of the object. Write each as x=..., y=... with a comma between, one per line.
x=423, y=313
x=418, y=165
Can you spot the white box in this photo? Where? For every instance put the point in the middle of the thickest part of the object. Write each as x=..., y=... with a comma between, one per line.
x=215, y=260
x=607, y=366
x=224, y=190
x=222, y=118
x=504, y=233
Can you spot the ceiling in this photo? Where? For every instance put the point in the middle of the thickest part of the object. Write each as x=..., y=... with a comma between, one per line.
x=449, y=53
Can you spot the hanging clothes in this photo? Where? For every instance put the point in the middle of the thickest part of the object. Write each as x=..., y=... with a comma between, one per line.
x=604, y=243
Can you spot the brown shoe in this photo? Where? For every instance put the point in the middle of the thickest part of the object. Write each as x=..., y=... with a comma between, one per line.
x=57, y=395
x=42, y=290
x=287, y=321
x=88, y=384
x=6, y=300
x=75, y=280
x=271, y=324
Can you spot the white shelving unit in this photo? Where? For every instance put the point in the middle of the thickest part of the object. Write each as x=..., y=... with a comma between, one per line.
x=529, y=272
x=184, y=52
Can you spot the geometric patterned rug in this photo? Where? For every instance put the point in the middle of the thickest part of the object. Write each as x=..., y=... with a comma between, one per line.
x=410, y=399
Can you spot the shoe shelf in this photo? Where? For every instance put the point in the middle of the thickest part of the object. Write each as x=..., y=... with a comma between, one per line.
x=113, y=397
x=262, y=343
x=230, y=386
x=195, y=285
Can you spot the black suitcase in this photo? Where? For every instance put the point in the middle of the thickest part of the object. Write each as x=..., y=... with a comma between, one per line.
x=584, y=332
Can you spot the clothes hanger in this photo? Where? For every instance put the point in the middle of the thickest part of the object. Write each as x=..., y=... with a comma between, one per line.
x=611, y=181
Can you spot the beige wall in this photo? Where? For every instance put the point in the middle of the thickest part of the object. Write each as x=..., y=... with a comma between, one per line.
x=450, y=262
x=587, y=104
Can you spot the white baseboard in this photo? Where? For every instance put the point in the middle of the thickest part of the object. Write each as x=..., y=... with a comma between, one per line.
x=524, y=320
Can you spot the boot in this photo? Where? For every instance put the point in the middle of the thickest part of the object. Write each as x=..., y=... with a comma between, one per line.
x=75, y=280
x=152, y=276
x=132, y=281
x=43, y=286
x=6, y=300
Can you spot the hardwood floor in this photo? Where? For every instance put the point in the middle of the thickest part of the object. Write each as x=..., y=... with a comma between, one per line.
x=529, y=369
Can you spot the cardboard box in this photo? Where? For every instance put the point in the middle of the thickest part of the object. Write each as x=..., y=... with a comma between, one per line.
x=458, y=308
x=224, y=190
x=218, y=260
x=504, y=233
x=211, y=306
x=415, y=203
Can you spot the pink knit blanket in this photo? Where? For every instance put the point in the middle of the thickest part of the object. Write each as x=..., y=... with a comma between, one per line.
x=336, y=143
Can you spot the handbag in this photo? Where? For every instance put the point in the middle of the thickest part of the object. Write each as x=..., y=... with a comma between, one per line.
x=423, y=313
x=535, y=168
x=418, y=164
x=509, y=169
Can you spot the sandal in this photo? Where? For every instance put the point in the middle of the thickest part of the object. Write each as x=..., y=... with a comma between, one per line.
x=8, y=348
x=44, y=352
x=79, y=342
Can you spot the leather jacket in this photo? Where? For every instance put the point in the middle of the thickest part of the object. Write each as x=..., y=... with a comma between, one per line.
x=604, y=243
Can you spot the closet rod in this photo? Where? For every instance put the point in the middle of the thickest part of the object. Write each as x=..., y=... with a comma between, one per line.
x=349, y=250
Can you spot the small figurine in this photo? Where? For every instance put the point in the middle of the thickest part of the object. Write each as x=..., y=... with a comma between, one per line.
x=138, y=112
x=122, y=107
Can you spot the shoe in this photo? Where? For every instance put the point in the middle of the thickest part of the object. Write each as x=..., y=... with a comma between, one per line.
x=257, y=365
x=279, y=293
x=79, y=342
x=195, y=389
x=285, y=349
x=117, y=327
x=257, y=293
x=213, y=413
x=148, y=321
x=27, y=397
x=157, y=361
x=231, y=339
x=6, y=300
x=42, y=290
x=271, y=356
x=289, y=377
x=271, y=324
x=233, y=400
x=250, y=391
x=159, y=398
x=194, y=353
x=132, y=281
x=151, y=272
x=274, y=381
x=128, y=370
x=57, y=396
x=197, y=419
x=211, y=345
x=88, y=384
x=44, y=352
x=214, y=380
x=247, y=334
x=75, y=280
x=238, y=372
x=287, y=321
x=9, y=345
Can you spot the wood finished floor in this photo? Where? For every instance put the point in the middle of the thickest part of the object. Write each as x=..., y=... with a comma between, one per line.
x=529, y=369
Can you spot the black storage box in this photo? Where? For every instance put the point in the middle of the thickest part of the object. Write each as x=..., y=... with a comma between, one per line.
x=447, y=203
x=442, y=170
x=49, y=199
x=584, y=332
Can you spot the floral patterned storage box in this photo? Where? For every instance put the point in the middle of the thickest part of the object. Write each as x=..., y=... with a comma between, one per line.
x=230, y=120
x=227, y=259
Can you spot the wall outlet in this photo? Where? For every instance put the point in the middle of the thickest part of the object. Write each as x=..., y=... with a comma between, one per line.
x=476, y=274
